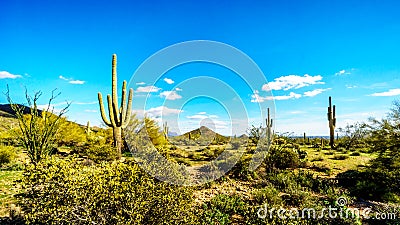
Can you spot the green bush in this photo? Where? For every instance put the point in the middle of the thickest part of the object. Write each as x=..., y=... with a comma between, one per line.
x=355, y=154
x=7, y=154
x=267, y=195
x=235, y=144
x=340, y=157
x=66, y=191
x=70, y=134
x=221, y=208
x=100, y=153
x=282, y=158
x=241, y=170
x=372, y=183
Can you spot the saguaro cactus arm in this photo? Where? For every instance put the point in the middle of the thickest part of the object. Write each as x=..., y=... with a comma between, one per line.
x=102, y=110
x=128, y=109
x=269, y=120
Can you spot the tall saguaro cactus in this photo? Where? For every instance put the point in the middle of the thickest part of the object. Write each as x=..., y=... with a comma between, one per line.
x=119, y=116
x=332, y=122
x=268, y=123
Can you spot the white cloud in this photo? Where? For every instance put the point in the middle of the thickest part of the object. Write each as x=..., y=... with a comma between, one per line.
x=91, y=110
x=351, y=86
x=140, y=83
x=208, y=121
x=391, y=92
x=162, y=111
x=286, y=97
x=148, y=89
x=5, y=75
x=202, y=113
x=71, y=81
x=217, y=124
x=292, y=82
x=297, y=112
x=76, y=82
x=178, y=89
x=170, y=95
x=86, y=103
x=342, y=72
x=169, y=81
x=63, y=78
x=197, y=117
x=315, y=92
x=257, y=98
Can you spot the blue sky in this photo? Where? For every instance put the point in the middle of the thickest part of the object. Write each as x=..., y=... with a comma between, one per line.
x=307, y=50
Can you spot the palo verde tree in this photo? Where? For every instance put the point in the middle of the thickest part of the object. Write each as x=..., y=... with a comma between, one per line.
x=352, y=134
x=119, y=116
x=37, y=128
x=384, y=137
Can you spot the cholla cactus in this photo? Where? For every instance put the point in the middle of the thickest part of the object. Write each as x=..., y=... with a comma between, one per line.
x=332, y=123
x=119, y=116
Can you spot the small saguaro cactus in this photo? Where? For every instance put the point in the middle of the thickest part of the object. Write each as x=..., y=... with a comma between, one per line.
x=268, y=123
x=165, y=130
x=88, y=127
x=119, y=116
x=304, y=138
x=332, y=123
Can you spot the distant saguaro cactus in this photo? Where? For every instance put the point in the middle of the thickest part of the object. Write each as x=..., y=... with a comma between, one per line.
x=332, y=122
x=268, y=123
x=88, y=127
x=304, y=138
x=165, y=130
x=119, y=116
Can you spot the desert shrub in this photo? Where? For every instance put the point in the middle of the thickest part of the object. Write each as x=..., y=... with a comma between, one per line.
x=322, y=168
x=296, y=197
x=100, y=153
x=183, y=161
x=66, y=191
x=241, y=170
x=212, y=153
x=235, y=144
x=281, y=158
x=70, y=134
x=373, y=184
x=329, y=153
x=318, y=159
x=340, y=157
x=355, y=154
x=7, y=137
x=287, y=181
x=221, y=208
x=7, y=154
x=267, y=195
